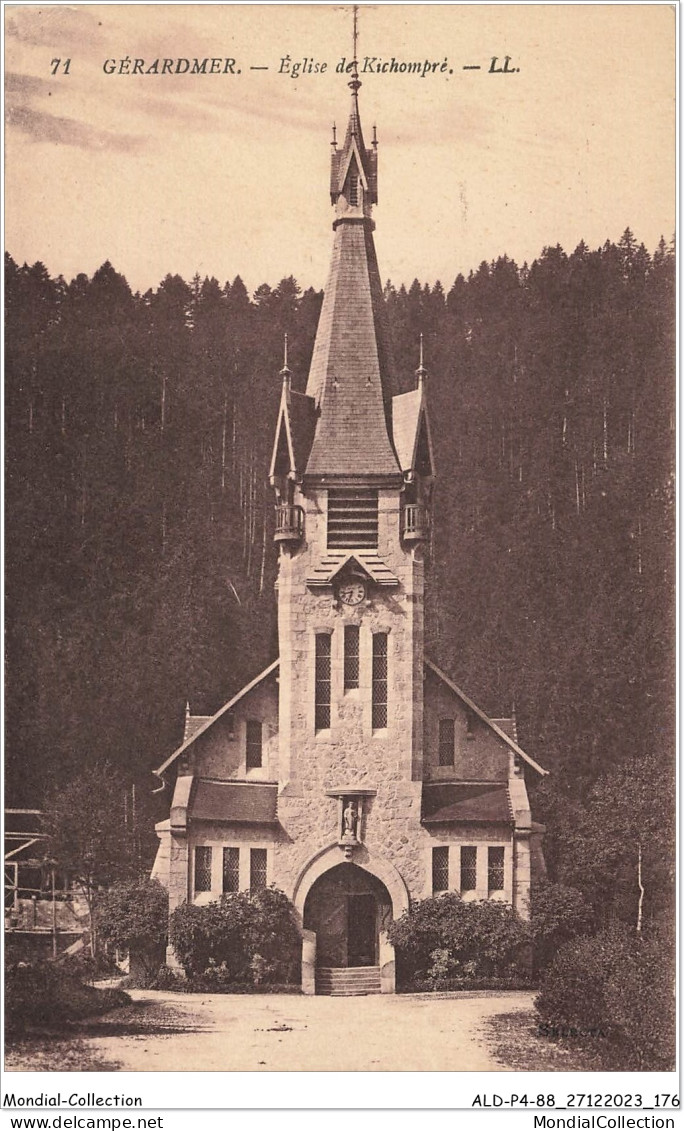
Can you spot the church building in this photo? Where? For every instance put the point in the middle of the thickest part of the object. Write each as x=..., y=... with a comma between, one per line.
x=352, y=773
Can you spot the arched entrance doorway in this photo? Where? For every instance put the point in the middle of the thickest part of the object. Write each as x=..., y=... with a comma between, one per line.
x=347, y=908
x=341, y=918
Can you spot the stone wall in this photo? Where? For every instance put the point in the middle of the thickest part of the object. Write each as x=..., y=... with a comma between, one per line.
x=221, y=751
x=350, y=754
x=479, y=754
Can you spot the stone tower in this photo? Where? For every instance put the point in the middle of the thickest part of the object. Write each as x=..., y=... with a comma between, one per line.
x=353, y=519
x=352, y=773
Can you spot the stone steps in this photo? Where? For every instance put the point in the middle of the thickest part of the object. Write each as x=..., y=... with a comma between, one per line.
x=348, y=981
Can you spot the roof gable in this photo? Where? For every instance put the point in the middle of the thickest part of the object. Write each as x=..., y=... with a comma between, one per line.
x=293, y=435
x=485, y=718
x=270, y=670
x=411, y=432
x=282, y=460
x=335, y=560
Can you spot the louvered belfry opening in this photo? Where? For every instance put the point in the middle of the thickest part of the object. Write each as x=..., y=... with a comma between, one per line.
x=352, y=518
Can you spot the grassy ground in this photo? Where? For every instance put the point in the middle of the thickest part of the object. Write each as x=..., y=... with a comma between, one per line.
x=516, y=1041
x=51, y=1053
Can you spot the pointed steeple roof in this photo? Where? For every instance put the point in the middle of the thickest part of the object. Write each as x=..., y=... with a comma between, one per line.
x=351, y=378
x=411, y=428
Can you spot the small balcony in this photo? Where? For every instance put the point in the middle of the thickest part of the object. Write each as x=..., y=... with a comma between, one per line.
x=289, y=523
x=416, y=526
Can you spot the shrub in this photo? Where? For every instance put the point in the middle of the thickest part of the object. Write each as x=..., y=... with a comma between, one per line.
x=444, y=938
x=242, y=938
x=134, y=916
x=45, y=995
x=557, y=914
x=168, y=979
x=620, y=986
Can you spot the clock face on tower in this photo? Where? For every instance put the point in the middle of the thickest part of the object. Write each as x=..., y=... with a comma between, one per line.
x=351, y=592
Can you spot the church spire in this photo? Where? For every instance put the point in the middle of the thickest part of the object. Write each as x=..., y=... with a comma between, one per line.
x=351, y=379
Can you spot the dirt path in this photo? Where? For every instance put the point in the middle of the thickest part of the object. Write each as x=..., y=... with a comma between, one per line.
x=272, y=1033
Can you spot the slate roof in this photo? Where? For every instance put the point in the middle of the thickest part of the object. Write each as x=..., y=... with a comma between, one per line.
x=325, y=570
x=405, y=420
x=353, y=144
x=294, y=434
x=467, y=803
x=249, y=803
x=409, y=421
x=346, y=378
x=302, y=412
x=194, y=723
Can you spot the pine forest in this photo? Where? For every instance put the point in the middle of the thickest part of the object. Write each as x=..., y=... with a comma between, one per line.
x=140, y=563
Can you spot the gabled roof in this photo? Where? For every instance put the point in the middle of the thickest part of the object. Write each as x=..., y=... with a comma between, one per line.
x=508, y=726
x=410, y=424
x=219, y=714
x=294, y=434
x=353, y=145
x=327, y=569
x=193, y=723
x=485, y=718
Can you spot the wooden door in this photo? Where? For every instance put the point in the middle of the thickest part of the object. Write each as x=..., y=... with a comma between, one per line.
x=362, y=930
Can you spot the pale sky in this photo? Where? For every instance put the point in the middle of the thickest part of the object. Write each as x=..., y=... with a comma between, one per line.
x=228, y=174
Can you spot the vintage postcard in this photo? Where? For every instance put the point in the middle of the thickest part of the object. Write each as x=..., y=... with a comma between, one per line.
x=340, y=547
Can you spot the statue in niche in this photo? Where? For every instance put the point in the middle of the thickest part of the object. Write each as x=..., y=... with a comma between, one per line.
x=349, y=821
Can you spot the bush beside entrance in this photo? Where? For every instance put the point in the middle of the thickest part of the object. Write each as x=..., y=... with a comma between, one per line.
x=242, y=939
x=444, y=942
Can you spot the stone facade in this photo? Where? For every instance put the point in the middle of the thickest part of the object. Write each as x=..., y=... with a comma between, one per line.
x=352, y=774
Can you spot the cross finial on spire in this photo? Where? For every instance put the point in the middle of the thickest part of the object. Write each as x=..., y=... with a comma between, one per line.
x=355, y=81
x=334, y=136
x=421, y=371
x=285, y=372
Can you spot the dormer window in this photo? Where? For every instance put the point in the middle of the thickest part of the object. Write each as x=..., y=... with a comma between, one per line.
x=353, y=190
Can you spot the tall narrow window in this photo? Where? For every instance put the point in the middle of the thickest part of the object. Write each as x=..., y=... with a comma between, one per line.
x=495, y=869
x=446, y=742
x=351, y=656
x=323, y=673
x=257, y=869
x=440, y=870
x=231, y=869
x=254, y=744
x=202, y=868
x=379, y=680
x=468, y=868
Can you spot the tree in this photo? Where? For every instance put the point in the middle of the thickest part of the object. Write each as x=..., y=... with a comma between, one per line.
x=618, y=848
x=89, y=836
x=134, y=915
x=557, y=914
